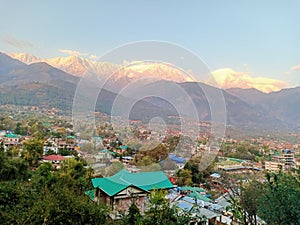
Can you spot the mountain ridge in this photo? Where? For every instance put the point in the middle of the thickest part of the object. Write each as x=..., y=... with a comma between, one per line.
x=40, y=83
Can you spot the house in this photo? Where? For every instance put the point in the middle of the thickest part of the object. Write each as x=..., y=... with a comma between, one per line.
x=104, y=156
x=70, y=140
x=180, y=162
x=127, y=159
x=124, y=188
x=53, y=158
x=11, y=139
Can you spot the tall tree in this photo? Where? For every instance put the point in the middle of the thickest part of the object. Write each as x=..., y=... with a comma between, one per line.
x=279, y=202
x=161, y=212
x=32, y=151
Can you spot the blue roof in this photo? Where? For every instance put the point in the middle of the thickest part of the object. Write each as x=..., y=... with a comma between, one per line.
x=176, y=158
x=184, y=205
x=288, y=151
x=127, y=157
x=215, y=175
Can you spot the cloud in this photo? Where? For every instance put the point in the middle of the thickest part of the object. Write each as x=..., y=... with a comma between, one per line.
x=17, y=43
x=228, y=78
x=296, y=68
x=72, y=52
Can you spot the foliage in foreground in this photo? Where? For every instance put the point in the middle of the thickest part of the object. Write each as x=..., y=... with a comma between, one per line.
x=48, y=197
x=275, y=200
x=160, y=212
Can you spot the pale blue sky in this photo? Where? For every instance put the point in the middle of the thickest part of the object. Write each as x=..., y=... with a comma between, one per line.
x=260, y=37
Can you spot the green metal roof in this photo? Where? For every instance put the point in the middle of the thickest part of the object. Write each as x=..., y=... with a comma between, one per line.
x=188, y=188
x=107, y=151
x=91, y=194
x=12, y=135
x=70, y=137
x=198, y=196
x=236, y=160
x=109, y=187
x=144, y=180
x=47, y=124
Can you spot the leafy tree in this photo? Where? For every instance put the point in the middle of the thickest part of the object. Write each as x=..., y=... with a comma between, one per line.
x=64, y=206
x=88, y=147
x=237, y=210
x=2, y=148
x=250, y=193
x=64, y=152
x=32, y=151
x=279, y=201
x=172, y=142
x=143, y=161
x=20, y=129
x=168, y=164
x=184, y=177
x=133, y=217
x=51, y=197
x=13, y=169
x=15, y=200
x=44, y=176
x=161, y=212
x=157, y=153
x=37, y=129
x=114, y=168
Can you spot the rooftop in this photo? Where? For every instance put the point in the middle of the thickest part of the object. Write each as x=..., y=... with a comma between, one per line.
x=123, y=179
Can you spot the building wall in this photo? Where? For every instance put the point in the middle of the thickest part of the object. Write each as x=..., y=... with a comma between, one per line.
x=122, y=201
x=122, y=205
x=273, y=166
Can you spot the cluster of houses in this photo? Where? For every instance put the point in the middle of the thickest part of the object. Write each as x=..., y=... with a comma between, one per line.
x=125, y=188
x=130, y=186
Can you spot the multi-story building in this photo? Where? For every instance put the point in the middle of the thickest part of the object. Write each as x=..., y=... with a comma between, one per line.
x=273, y=166
x=285, y=159
x=289, y=158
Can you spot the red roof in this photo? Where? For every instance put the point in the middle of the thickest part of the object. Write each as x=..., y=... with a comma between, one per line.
x=54, y=157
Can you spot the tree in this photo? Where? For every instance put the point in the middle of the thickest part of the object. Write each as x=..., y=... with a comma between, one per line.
x=13, y=169
x=244, y=192
x=279, y=200
x=237, y=210
x=133, y=217
x=32, y=151
x=62, y=205
x=20, y=129
x=114, y=168
x=161, y=212
x=250, y=193
x=184, y=177
x=37, y=129
x=44, y=176
x=157, y=153
x=88, y=147
x=168, y=164
x=15, y=200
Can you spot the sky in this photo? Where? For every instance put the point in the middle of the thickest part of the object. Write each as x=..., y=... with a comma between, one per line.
x=246, y=39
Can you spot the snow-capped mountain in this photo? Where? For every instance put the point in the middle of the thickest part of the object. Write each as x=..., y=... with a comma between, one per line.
x=71, y=64
x=79, y=66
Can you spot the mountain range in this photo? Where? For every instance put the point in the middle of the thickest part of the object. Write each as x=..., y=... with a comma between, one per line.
x=79, y=66
x=27, y=80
